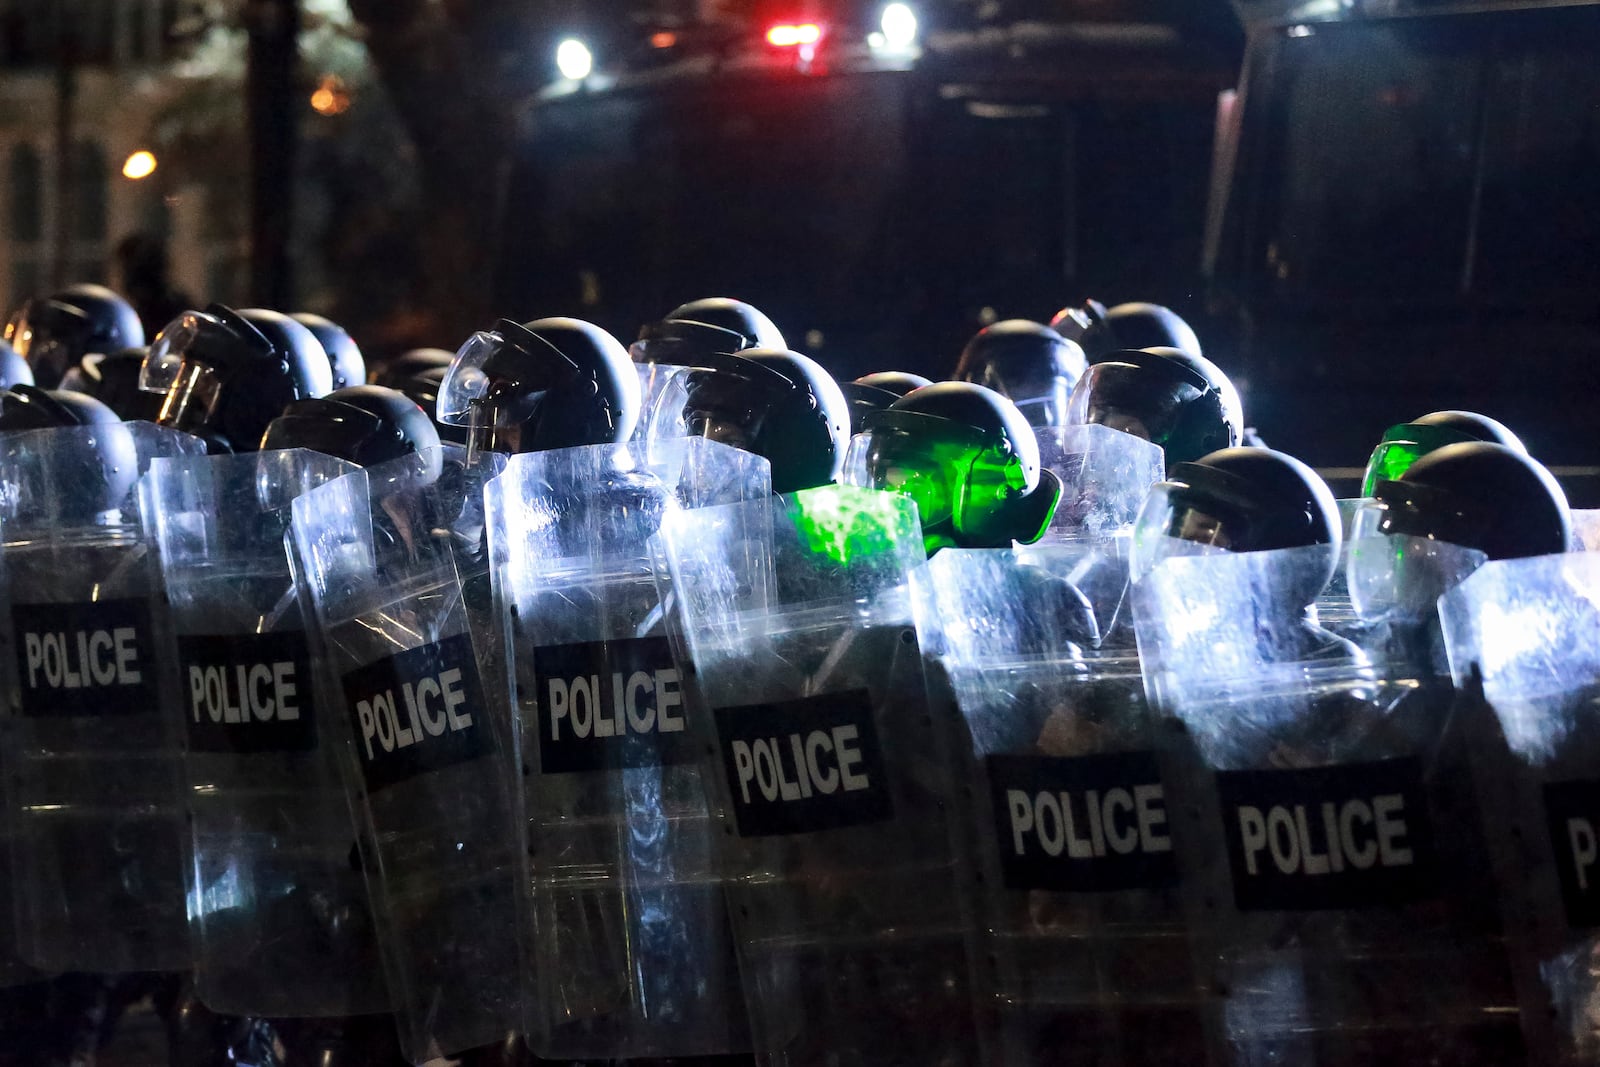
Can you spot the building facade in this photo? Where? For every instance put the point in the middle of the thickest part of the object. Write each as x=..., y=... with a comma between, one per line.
x=85, y=84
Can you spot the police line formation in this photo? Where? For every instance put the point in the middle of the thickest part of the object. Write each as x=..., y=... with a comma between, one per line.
x=681, y=701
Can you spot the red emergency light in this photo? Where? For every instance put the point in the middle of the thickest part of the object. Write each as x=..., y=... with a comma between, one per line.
x=794, y=34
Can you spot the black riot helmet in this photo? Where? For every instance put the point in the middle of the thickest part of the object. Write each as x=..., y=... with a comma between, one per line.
x=1142, y=325
x=14, y=370
x=100, y=468
x=344, y=355
x=874, y=392
x=1185, y=403
x=55, y=333
x=227, y=374
x=113, y=379
x=774, y=403
x=361, y=424
x=1475, y=426
x=1404, y=444
x=1232, y=403
x=734, y=315
x=1027, y=362
x=551, y=383
x=1240, y=500
x=969, y=459
x=408, y=365
x=27, y=407
x=1479, y=495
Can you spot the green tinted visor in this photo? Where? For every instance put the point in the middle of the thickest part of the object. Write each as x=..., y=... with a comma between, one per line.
x=959, y=477
x=1402, y=446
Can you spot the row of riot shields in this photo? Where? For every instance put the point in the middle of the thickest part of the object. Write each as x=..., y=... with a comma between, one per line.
x=1246, y=838
x=613, y=748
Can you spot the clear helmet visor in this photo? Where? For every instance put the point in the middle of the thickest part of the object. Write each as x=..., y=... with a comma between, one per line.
x=38, y=323
x=192, y=399
x=326, y=426
x=721, y=397
x=721, y=405
x=678, y=351
x=466, y=384
x=1124, y=398
x=736, y=424
x=1042, y=400
x=894, y=460
x=496, y=384
x=1172, y=523
x=1397, y=575
x=685, y=343
x=163, y=361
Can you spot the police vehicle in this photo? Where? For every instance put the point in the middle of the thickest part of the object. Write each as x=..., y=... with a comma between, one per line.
x=881, y=183
x=1406, y=207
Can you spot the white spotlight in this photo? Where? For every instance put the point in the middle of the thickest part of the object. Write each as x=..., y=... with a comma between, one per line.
x=899, y=25
x=574, y=59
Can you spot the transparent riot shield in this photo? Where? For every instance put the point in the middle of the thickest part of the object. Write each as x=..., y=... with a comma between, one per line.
x=1586, y=530
x=390, y=559
x=1334, y=609
x=629, y=920
x=96, y=763
x=1082, y=954
x=1524, y=638
x=656, y=422
x=278, y=912
x=1105, y=474
x=1394, y=583
x=830, y=773
x=1333, y=863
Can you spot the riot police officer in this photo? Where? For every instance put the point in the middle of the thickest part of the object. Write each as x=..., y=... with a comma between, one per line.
x=1029, y=363
x=968, y=458
x=1183, y=403
x=549, y=383
x=227, y=374
x=1424, y=530
x=361, y=424
x=775, y=403
x=1477, y=494
x=53, y=334
x=1242, y=500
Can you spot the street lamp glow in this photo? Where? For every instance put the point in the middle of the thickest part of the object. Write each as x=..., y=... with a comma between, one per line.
x=574, y=59
x=899, y=24
x=141, y=164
